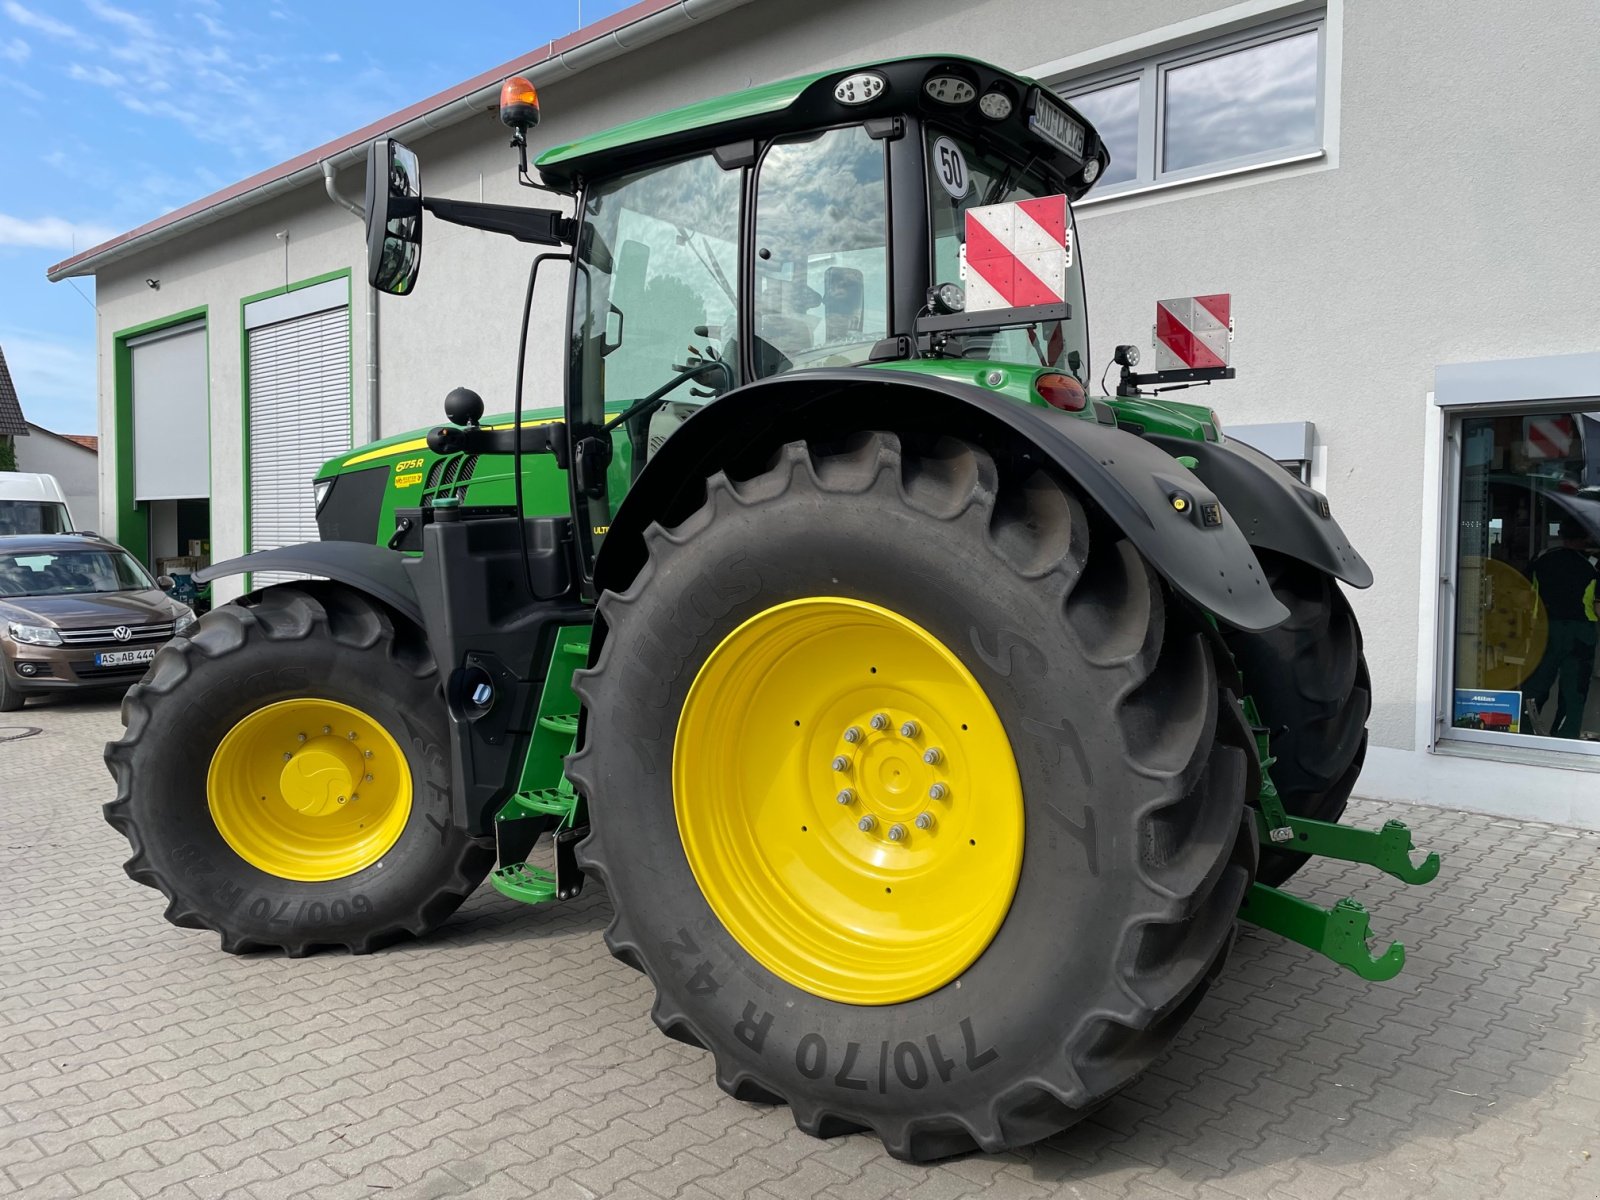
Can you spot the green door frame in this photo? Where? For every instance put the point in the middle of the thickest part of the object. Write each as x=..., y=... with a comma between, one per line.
x=133, y=519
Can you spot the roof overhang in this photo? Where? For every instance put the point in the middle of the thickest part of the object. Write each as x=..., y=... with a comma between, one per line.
x=639, y=25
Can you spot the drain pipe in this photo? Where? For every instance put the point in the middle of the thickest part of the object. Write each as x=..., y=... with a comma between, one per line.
x=350, y=206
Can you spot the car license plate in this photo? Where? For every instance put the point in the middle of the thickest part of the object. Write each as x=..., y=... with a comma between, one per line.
x=1055, y=127
x=123, y=658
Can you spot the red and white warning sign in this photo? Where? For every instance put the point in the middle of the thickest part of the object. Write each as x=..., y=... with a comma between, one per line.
x=1550, y=437
x=1193, y=332
x=1017, y=254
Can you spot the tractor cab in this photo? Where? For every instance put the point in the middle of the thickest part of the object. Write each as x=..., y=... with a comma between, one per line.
x=815, y=224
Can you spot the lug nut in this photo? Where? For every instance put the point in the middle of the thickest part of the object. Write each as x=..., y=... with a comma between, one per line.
x=841, y=763
x=287, y=756
x=879, y=721
x=897, y=832
x=352, y=735
x=369, y=753
x=327, y=729
x=909, y=729
x=931, y=755
x=938, y=792
x=846, y=797
x=354, y=797
x=924, y=820
x=366, y=778
x=867, y=823
x=853, y=734
x=302, y=737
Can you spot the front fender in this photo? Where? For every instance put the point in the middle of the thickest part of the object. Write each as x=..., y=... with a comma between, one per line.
x=1171, y=516
x=378, y=572
x=1274, y=510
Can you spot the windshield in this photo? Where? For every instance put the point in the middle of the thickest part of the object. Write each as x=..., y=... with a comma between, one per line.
x=71, y=573
x=960, y=176
x=34, y=516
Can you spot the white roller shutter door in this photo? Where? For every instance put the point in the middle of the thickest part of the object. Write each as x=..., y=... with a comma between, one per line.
x=299, y=418
x=171, y=421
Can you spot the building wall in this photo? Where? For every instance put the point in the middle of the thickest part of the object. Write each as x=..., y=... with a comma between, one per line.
x=75, y=468
x=1452, y=220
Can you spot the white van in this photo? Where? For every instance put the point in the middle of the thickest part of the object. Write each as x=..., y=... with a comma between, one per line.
x=32, y=504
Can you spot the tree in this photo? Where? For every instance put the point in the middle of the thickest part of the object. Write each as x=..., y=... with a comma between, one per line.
x=8, y=454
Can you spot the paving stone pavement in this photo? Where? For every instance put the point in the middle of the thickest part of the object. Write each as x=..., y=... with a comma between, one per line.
x=511, y=1056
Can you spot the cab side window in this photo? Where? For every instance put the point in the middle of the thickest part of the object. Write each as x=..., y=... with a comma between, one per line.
x=821, y=251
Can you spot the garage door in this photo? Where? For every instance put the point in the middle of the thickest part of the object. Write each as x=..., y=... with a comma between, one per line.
x=299, y=402
x=171, y=421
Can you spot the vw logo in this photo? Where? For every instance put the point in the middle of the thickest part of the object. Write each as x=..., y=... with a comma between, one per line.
x=122, y=633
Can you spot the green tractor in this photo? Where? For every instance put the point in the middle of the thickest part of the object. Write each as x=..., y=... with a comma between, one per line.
x=930, y=722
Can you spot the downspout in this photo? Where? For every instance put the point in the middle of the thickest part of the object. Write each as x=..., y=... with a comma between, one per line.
x=350, y=206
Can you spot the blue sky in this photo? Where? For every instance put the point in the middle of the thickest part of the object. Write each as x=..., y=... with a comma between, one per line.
x=113, y=113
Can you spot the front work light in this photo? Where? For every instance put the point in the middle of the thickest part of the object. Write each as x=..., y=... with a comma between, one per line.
x=1091, y=170
x=947, y=298
x=859, y=88
x=519, y=104
x=949, y=89
x=319, y=493
x=995, y=105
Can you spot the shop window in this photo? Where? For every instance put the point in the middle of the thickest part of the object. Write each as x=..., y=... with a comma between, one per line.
x=1528, y=538
x=1246, y=100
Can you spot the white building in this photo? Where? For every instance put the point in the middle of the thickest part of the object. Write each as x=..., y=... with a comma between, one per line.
x=73, y=462
x=1399, y=197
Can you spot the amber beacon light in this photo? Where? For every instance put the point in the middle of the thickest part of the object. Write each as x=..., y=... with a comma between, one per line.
x=519, y=104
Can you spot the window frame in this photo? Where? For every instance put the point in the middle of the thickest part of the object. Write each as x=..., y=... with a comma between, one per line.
x=1150, y=72
x=1448, y=612
x=749, y=230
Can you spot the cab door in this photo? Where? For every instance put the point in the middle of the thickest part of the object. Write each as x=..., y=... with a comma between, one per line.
x=655, y=324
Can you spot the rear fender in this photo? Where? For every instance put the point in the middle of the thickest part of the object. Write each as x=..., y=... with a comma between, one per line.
x=1273, y=509
x=374, y=570
x=1172, y=517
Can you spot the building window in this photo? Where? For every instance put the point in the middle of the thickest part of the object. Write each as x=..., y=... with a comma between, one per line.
x=1528, y=533
x=1250, y=99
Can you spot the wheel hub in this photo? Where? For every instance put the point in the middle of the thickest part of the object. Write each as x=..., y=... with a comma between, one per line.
x=848, y=800
x=309, y=789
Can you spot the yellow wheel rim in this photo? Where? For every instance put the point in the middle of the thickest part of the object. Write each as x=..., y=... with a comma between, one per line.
x=848, y=801
x=309, y=790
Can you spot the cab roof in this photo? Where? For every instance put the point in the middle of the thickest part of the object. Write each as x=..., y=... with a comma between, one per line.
x=809, y=102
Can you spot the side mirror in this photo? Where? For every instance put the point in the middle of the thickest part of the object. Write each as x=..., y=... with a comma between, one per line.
x=166, y=582
x=394, y=217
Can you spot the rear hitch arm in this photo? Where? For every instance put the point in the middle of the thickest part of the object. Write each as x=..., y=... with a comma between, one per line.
x=1339, y=933
x=1389, y=848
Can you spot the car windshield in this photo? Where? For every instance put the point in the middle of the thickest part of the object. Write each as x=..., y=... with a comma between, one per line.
x=33, y=516
x=961, y=176
x=71, y=572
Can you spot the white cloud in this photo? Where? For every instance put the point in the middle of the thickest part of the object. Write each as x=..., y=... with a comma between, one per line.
x=29, y=19
x=51, y=233
x=15, y=50
x=131, y=23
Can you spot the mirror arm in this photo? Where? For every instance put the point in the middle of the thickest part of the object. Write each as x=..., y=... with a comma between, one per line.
x=540, y=226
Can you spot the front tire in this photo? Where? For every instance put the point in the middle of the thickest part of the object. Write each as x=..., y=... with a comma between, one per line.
x=240, y=772
x=1133, y=765
x=1309, y=679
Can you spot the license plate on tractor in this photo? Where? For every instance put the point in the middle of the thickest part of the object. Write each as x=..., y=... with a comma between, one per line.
x=123, y=658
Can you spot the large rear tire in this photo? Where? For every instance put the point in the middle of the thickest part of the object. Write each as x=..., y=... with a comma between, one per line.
x=240, y=777
x=915, y=581
x=1308, y=677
